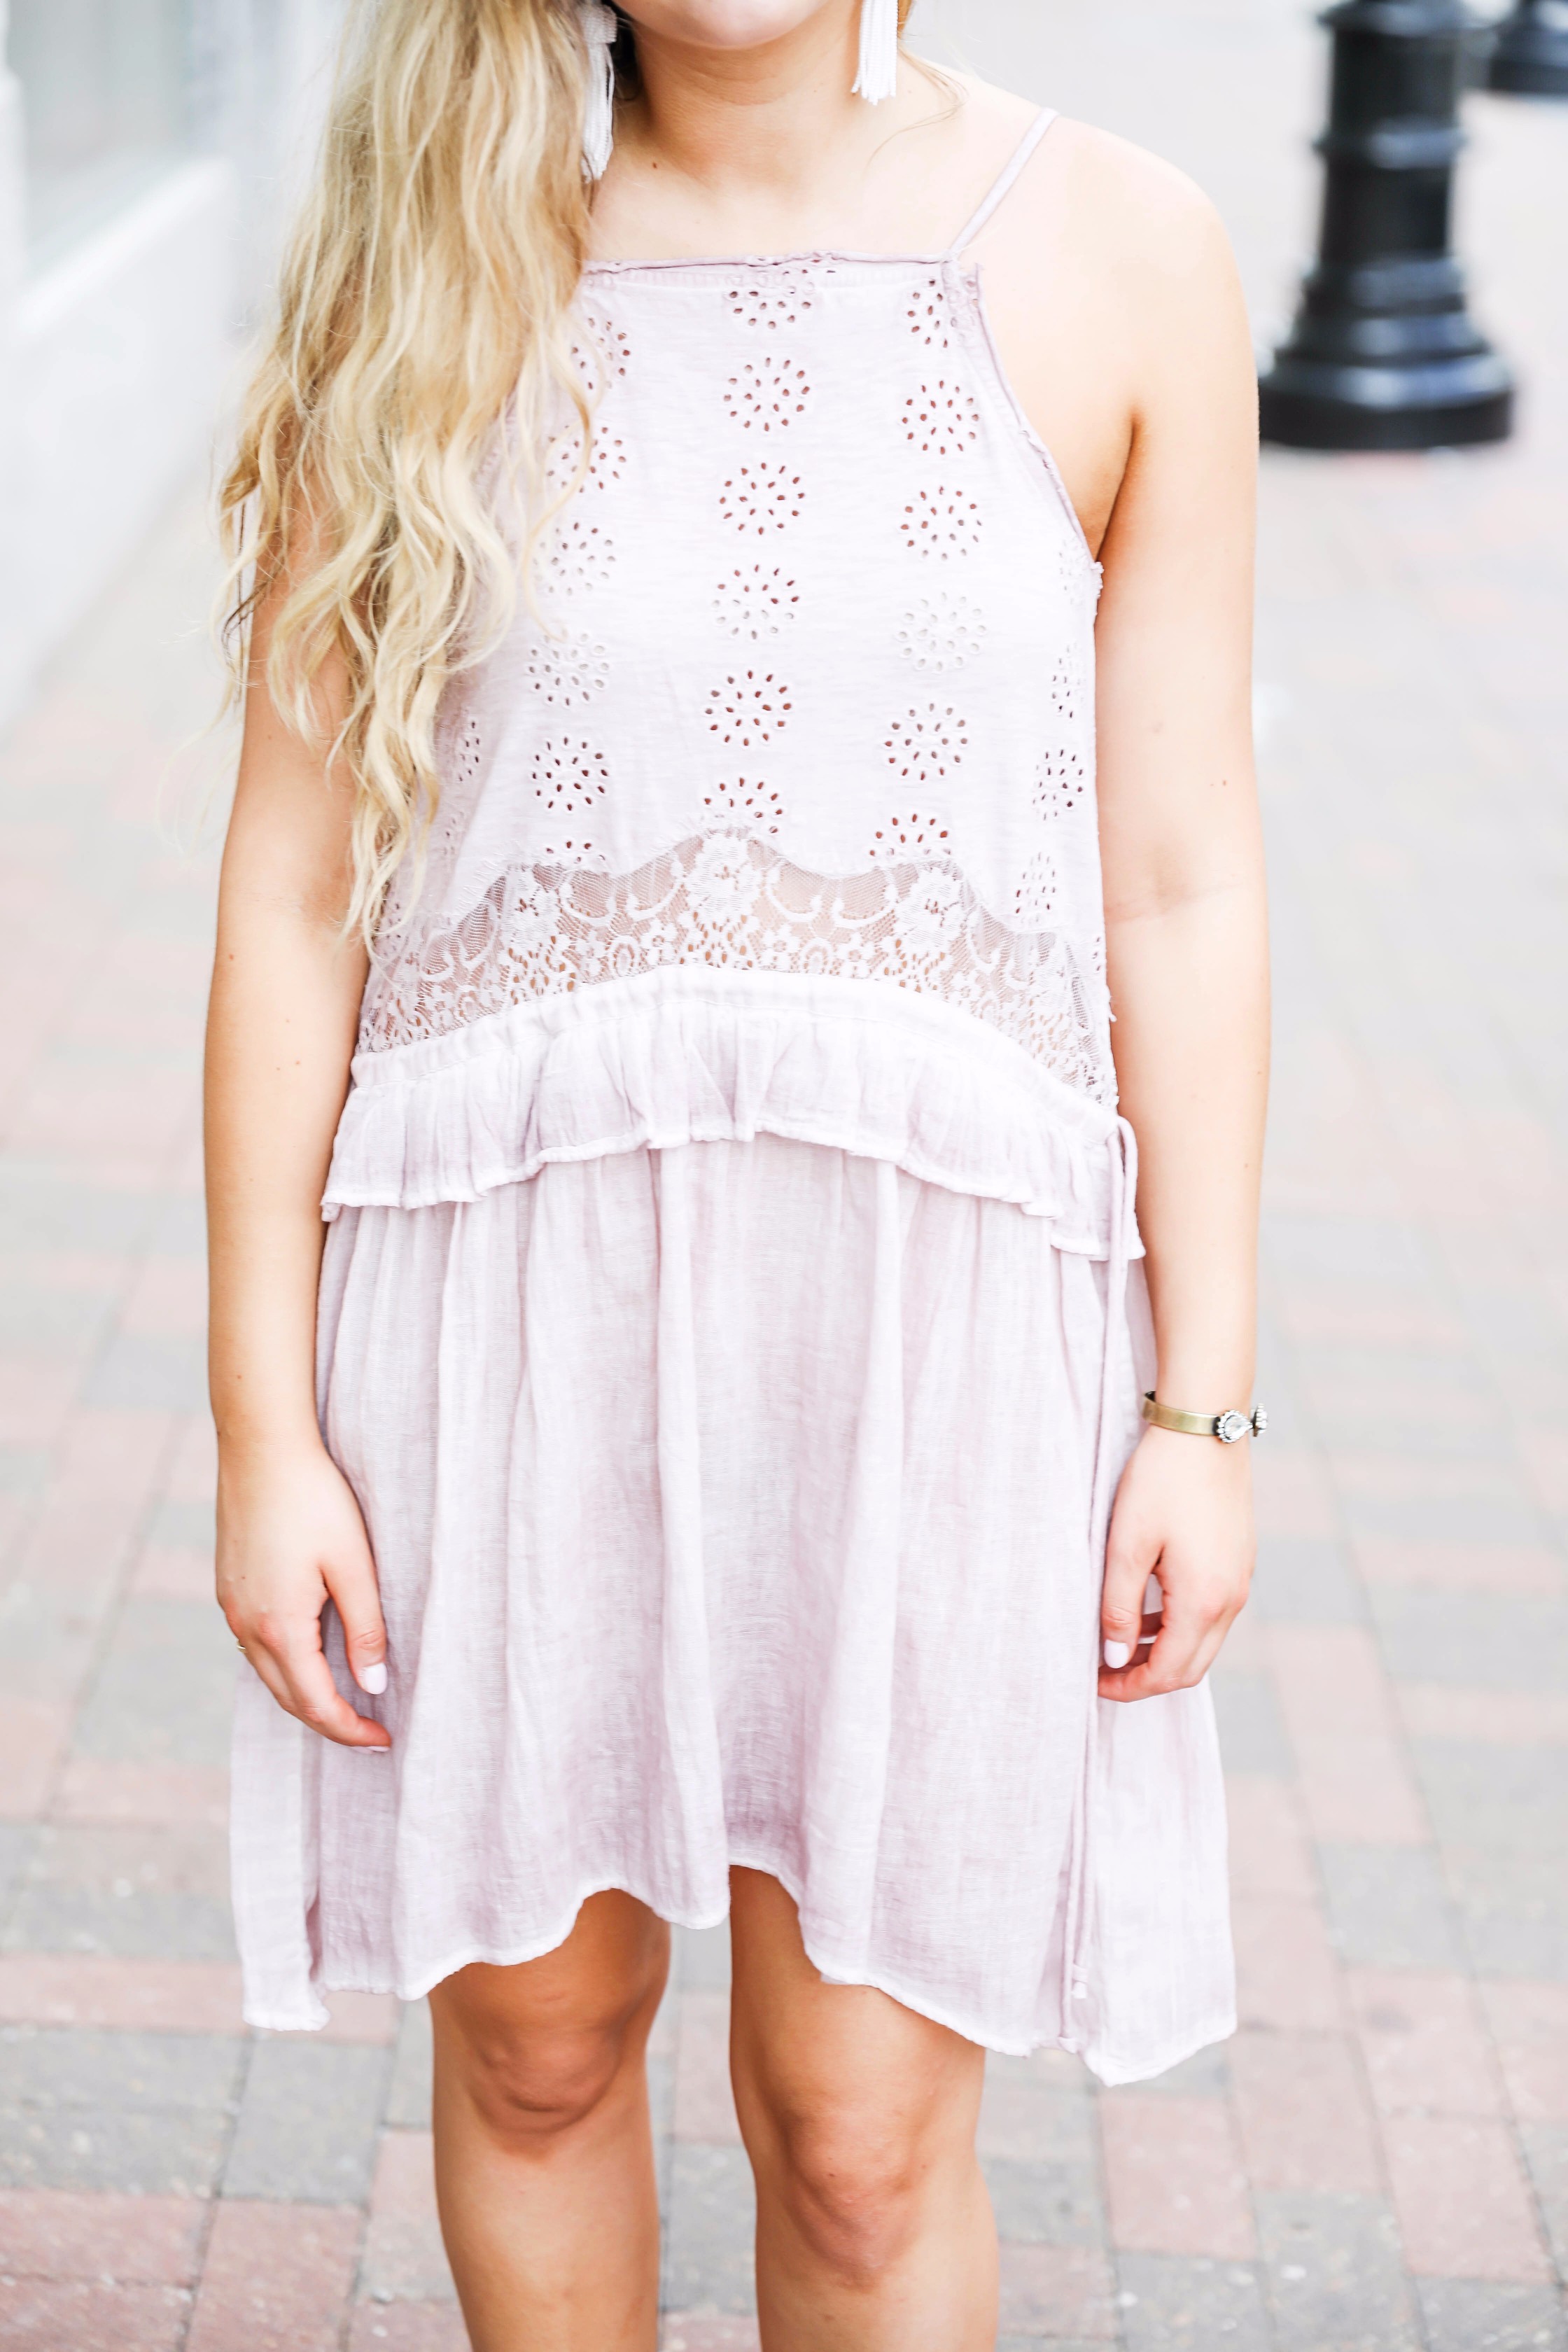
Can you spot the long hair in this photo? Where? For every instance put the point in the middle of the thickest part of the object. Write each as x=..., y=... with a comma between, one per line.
x=422, y=321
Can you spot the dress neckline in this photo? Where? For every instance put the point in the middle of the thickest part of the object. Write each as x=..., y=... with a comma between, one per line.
x=1000, y=187
x=812, y=256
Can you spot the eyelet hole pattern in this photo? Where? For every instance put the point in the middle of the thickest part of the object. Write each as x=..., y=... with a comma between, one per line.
x=942, y=522
x=570, y=778
x=757, y=602
x=761, y=498
x=1076, y=569
x=767, y=395
x=1035, y=899
x=579, y=556
x=942, y=632
x=453, y=809
x=930, y=319
x=747, y=708
x=779, y=299
x=602, y=355
x=466, y=752
x=1061, y=784
x=606, y=462
x=941, y=420
x=904, y=837
x=565, y=672
x=927, y=743
x=755, y=806
x=1065, y=693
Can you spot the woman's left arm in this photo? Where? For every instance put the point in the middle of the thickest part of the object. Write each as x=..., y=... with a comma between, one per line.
x=1186, y=934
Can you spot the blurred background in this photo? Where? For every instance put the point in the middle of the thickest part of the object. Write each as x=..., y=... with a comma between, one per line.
x=1379, y=2161
x=144, y=155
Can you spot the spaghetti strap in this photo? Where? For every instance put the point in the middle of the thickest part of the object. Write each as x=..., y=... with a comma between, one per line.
x=1001, y=186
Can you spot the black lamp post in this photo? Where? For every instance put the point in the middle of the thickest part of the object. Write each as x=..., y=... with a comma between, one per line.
x=1530, y=50
x=1384, y=354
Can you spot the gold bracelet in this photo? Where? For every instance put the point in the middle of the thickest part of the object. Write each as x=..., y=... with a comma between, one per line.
x=1226, y=1426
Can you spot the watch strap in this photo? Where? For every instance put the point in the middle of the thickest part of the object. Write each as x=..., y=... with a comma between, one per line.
x=1226, y=1426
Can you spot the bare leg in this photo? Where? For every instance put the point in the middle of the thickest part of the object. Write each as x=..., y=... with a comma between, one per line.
x=544, y=2151
x=874, y=2229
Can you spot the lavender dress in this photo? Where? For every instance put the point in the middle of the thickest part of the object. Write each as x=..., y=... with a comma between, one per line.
x=731, y=1321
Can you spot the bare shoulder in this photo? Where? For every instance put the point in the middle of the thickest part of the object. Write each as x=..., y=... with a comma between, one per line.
x=1090, y=198
x=1136, y=200
x=1086, y=200
x=1116, y=308
x=1131, y=244
x=1114, y=207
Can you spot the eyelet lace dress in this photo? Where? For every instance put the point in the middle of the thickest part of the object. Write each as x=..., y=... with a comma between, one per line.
x=729, y=1321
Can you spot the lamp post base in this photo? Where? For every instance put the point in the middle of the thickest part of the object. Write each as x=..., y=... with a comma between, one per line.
x=1384, y=353
x=1528, y=56
x=1321, y=404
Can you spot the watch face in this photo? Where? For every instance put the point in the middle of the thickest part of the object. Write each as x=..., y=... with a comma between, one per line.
x=1230, y=1426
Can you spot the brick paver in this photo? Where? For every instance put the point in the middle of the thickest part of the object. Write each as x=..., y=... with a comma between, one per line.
x=276, y=2279
x=1379, y=2161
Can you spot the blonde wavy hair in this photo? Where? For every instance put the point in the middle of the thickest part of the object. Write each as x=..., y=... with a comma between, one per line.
x=421, y=329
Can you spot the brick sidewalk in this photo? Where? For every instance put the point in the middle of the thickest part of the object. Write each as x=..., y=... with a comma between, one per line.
x=1379, y=2161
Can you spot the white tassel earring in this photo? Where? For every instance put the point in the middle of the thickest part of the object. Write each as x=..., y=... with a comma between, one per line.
x=879, y=76
x=599, y=26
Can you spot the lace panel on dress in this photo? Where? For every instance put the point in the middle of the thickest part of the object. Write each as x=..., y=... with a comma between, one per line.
x=733, y=902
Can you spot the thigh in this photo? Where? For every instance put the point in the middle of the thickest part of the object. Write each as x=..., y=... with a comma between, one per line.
x=590, y=1994
x=817, y=2066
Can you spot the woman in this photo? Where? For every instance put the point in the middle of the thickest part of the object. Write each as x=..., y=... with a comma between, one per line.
x=669, y=777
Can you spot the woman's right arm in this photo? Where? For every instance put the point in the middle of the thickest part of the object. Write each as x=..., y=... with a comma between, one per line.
x=280, y=1031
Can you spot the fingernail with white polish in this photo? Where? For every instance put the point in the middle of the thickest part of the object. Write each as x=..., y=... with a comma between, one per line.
x=373, y=1680
x=1117, y=1654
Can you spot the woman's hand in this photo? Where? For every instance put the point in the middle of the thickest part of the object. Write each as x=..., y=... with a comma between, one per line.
x=1183, y=1514
x=289, y=1539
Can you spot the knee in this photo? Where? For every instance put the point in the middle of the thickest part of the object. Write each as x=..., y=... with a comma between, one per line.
x=529, y=2091
x=534, y=2064
x=534, y=2052
x=851, y=2189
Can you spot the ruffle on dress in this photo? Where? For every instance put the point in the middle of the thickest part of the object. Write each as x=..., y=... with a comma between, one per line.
x=686, y=1055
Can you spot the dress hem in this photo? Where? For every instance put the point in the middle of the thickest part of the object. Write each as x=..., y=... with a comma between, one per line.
x=1109, y=2069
